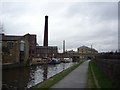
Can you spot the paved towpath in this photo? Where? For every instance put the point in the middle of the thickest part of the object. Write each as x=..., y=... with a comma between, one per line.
x=75, y=79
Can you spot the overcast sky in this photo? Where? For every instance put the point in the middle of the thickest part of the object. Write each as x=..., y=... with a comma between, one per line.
x=78, y=23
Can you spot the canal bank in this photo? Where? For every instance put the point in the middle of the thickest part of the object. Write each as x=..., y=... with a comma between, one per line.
x=21, y=65
x=27, y=77
x=56, y=78
x=15, y=65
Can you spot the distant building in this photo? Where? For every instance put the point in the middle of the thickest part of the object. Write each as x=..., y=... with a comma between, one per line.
x=86, y=52
x=70, y=51
x=46, y=51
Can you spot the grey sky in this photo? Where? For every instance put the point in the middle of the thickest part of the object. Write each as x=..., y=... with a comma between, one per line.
x=79, y=23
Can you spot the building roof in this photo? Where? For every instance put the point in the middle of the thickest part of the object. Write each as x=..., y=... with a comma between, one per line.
x=88, y=48
x=13, y=37
x=84, y=47
x=10, y=37
x=46, y=47
x=30, y=34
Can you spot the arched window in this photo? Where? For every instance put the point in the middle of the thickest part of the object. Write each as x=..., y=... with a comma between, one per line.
x=22, y=45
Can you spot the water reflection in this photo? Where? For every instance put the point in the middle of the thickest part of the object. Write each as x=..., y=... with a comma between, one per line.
x=30, y=76
x=45, y=69
x=36, y=75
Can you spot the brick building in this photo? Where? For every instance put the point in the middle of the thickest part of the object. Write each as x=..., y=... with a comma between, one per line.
x=16, y=49
x=86, y=52
x=46, y=51
x=24, y=48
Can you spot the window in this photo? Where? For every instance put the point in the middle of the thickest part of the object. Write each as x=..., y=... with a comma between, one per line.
x=10, y=45
x=22, y=45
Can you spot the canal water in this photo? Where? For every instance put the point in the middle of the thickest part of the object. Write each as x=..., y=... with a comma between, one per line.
x=26, y=77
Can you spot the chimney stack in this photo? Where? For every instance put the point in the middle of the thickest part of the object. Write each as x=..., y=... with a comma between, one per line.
x=46, y=32
x=63, y=46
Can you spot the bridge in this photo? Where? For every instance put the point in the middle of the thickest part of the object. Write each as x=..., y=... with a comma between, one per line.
x=76, y=56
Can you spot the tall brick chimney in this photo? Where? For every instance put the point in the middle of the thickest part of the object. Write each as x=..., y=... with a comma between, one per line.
x=46, y=32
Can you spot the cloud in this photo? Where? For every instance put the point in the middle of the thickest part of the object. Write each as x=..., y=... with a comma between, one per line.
x=76, y=22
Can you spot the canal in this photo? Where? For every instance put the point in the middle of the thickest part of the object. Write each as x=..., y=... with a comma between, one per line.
x=26, y=77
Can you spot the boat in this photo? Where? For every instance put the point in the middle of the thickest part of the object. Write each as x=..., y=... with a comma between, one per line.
x=54, y=61
x=66, y=60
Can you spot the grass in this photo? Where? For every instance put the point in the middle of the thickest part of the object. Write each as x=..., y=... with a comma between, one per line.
x=46, y=85
x=103, y=80
x=91, y=82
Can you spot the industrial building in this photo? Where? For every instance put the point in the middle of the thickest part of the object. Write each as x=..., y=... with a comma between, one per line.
x=17, y=49
x=86, y=52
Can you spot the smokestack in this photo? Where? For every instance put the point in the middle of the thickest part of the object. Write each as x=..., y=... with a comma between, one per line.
x=63, y=46
x=46, y=32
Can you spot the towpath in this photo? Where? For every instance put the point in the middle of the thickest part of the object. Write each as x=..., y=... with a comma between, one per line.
x=76, y=79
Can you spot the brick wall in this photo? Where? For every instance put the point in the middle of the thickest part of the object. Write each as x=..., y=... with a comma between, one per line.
x=12, y=57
